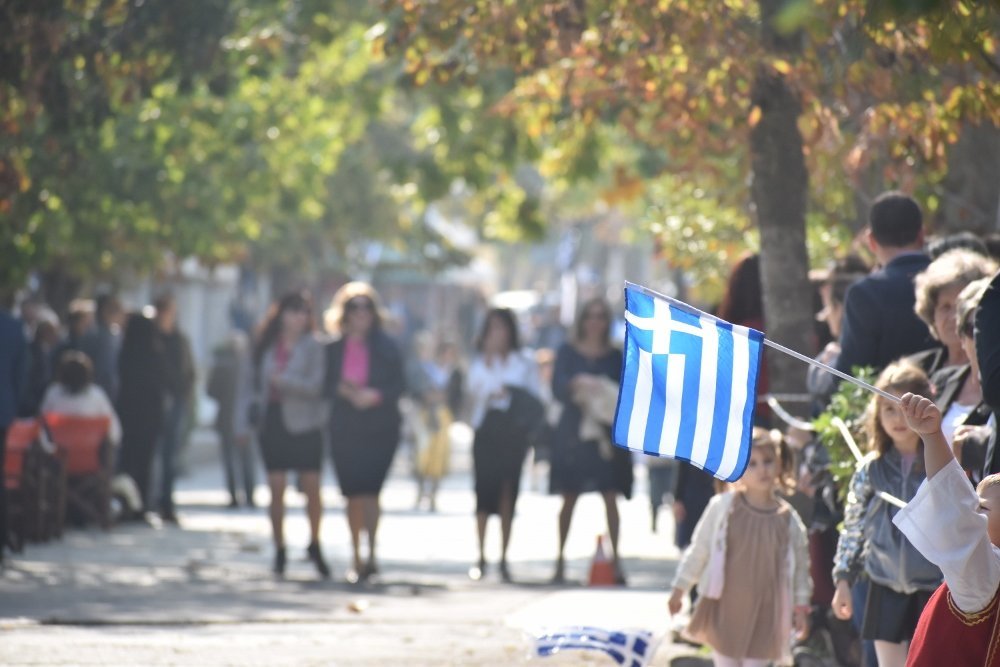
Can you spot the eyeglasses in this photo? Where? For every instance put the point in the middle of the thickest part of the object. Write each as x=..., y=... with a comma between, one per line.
x=359, y=304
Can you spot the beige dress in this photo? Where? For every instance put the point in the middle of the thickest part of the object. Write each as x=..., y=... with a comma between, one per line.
x=746, y=621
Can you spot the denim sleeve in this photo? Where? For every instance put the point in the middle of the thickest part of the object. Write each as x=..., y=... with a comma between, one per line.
x=847, y=563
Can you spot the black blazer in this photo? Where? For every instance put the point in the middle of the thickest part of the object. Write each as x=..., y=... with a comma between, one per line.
x=880, y=325
x=948, y=382
x=385, y=374
x=988, y=353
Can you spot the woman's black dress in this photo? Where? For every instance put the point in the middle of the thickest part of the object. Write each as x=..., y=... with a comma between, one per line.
x=363, y=442
x=577, y=466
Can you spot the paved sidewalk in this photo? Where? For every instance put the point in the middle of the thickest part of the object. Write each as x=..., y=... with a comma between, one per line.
x=202, y=594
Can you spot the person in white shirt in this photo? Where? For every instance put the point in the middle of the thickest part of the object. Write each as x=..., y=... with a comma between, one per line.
x=75, y=393
x=503, y=385
x=958, y=529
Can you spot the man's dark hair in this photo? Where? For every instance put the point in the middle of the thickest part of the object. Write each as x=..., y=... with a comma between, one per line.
x=895, y=220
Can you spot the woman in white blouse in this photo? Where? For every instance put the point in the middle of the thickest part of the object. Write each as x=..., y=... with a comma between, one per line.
x=75, y=393
x=498, y=370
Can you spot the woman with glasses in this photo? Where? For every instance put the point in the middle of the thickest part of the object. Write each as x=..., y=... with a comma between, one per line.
x=287, y=409
x=364, y=380
x=584, y=459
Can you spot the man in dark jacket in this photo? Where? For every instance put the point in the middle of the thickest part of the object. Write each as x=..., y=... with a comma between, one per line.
x=880, y=324
x=13, y=357
x=179, y=384
x=988, y=353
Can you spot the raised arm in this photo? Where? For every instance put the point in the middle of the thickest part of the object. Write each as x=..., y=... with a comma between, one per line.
x=943, y=520
x=924, y=417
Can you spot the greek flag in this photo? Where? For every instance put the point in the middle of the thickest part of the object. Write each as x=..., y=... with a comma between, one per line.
x=631, y=648
x=688, y=385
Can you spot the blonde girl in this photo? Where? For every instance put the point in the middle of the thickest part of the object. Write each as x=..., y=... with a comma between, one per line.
x=900, y=580
x=749, y=557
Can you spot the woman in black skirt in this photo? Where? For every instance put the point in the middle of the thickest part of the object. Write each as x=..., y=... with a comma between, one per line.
x=288, y=410
x=364, y=381
x=587, y=371
x=502, y=384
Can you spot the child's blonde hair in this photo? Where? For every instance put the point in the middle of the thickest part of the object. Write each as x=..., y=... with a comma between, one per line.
x=897, y=378
x=774, y=440
x=988, y=482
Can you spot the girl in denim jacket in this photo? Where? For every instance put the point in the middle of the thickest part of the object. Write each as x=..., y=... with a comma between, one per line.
x=900, y=579
x=750, y=559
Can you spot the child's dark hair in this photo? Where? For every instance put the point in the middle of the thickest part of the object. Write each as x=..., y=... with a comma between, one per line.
x=898, y=378
x=774, y=440
x=75, y=371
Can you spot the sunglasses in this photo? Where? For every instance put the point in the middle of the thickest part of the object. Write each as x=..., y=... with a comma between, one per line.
x=359, y=304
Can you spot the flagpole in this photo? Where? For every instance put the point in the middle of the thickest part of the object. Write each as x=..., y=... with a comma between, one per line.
x=831, y=369
x=780, y=348
x=845, y=432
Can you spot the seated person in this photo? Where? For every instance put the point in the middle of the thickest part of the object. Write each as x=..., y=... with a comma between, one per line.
x=958, y=530
x=74, y=393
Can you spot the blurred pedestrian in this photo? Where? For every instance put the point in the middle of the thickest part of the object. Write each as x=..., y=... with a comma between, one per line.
x=364, y=380
x=501, y=383
x=13, y=365
x=41, y=354
x=107, y=343
x=842, y=274
x=180, y=377
x=584, y=459
x=289, y=412
x=79, y=331
x=142, y=390
x=74, y=392
x=232, y=375
x=431, y=381
x=743, y=304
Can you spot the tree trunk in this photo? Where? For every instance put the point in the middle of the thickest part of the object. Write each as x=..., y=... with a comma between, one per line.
x=779, y=191
x=971, y=190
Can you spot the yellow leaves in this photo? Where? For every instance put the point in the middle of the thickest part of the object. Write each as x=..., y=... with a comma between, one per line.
x=782, y=66
x=754, y=117
x=627, y=187
x=990, y=45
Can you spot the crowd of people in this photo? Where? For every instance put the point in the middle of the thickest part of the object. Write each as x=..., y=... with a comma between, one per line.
x=783, y=547
x=785, y=544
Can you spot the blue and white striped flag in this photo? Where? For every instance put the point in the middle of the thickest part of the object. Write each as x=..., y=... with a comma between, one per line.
x=631, y=648
x=688, y=385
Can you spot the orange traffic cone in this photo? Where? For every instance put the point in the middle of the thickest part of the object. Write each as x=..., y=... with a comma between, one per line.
x=602, y=571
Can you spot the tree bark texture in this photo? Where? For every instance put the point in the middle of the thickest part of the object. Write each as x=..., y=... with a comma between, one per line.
x=779, y=191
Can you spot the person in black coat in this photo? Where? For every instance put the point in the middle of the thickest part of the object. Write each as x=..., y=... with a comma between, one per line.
x=364, y=381
x=987, y=337
x=142, y=383
x=13, y=366
x=584, y=369
x=880, y=324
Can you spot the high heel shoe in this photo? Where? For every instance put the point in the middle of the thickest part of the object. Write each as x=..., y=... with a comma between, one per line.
x=505, y=573
x=280, y=559
x=316, y=556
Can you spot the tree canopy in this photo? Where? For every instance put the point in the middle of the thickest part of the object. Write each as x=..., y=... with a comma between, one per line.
x=294, y=133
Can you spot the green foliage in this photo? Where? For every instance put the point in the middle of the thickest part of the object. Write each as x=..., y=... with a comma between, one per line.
x=850, y=403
